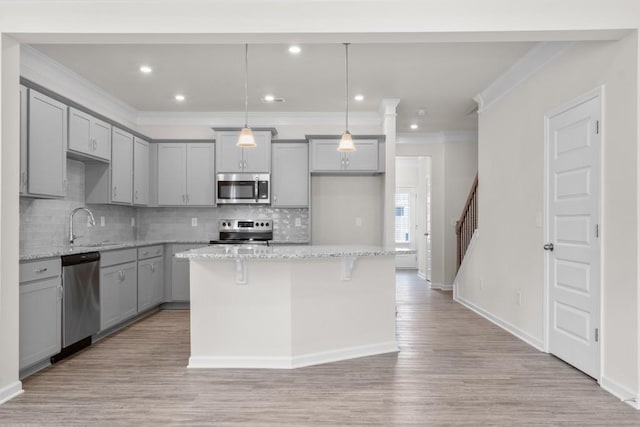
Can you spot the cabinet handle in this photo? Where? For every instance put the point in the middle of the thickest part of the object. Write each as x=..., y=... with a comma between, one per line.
x=153, y=268
x=115, y=192
x=187, y=198
x=41, y=269
x=145, y=253
x=275, y=197
x=24, y=177
x=95, y=144
x=184, y=199
x=136, y=195
x=346, y=161
x=240, y=165
x=245, y=165
x=60, y=292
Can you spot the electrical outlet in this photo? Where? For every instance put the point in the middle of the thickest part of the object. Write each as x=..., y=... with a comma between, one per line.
x=358, y=221
x=133, y=222
x=194, y=222
x=298, y=222
x=102, y=221
x=519, y=297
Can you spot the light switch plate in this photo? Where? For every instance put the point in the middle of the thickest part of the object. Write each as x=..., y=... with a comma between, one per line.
x=133, y=222
x=194, y=222
x=298, y=222
x=358, y=221
x=102, y=222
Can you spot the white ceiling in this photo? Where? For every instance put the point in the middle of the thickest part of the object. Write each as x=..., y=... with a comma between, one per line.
x=440, y=78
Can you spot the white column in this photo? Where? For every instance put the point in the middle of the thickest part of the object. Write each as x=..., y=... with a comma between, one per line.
x=388, y=115
x=10, y=385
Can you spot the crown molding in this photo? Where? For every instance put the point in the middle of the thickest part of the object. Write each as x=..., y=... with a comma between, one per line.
x=536, y=58
x=38, y=67
x=419, y=138
x=257, y=119
x=388, y=106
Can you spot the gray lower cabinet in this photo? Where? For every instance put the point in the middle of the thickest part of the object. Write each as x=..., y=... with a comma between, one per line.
x=290, y=176
x=149, y=283
x=40, y=310
x=180, y=272
x=118, y=287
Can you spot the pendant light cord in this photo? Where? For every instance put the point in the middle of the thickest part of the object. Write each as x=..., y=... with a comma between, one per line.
x=246, y=85
x=346, y=85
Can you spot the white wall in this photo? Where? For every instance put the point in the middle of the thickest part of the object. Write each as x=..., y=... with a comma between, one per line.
x=508, y=257
x=336, y=202
x=9, y=171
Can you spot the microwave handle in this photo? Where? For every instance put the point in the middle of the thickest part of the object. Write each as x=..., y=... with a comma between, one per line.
x=255, y=189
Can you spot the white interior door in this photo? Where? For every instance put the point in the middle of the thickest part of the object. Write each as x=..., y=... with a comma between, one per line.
x=406, y=226
x=573, y=264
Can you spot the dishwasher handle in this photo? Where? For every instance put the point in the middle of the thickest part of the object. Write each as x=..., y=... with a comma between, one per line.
x=76, y=259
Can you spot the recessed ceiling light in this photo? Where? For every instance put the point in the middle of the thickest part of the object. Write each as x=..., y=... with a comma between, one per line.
x=269, y=98
x=414, y=126
x=179, y=97
x=294, y=49
x=359, y=97
x=145, y=69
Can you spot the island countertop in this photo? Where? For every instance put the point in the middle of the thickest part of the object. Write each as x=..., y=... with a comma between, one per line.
x=288, y=252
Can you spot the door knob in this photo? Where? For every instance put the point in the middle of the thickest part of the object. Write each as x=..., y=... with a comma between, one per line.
x=548, y=247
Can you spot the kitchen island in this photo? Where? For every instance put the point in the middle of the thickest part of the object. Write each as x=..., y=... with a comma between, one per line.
x=290, y=306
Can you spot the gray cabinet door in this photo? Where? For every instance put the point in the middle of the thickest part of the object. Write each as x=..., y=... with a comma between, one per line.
x=47, y=158
x=100, y=139
x=365, y=158
x=258, y=159
x=121, y=167
x=128, y=290
x=228, y=156
x=200, y=174
x=89, y=136
x=172, y=188
x=180, y=272
x=290, y=177
x=150, y=283
x=325, y=156
x=40, y=320
x=140, y=172
x=109, y=297
x=24, y=111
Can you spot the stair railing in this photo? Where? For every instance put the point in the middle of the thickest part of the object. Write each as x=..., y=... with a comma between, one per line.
x=468, y=222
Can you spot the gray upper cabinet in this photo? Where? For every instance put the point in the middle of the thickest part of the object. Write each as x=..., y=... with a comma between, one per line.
x=231, y=159
x=46, y=147
x=186, y=174
x=140, y=172
x=24, y=122
x=121, y=167
x=290, y=177
x=326, y=159
x=88, y=136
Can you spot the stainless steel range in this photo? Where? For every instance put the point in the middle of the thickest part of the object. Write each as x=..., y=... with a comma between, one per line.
x=244, y=231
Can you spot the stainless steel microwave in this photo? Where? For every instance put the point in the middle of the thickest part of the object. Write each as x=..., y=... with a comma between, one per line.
x=243, y=188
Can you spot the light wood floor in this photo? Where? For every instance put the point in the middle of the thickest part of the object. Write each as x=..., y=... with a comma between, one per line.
x=454, y=368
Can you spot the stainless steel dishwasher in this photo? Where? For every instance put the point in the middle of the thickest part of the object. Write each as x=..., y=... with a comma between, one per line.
x=80, y=302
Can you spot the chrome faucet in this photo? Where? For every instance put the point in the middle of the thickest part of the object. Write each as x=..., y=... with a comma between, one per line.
x=92, y=222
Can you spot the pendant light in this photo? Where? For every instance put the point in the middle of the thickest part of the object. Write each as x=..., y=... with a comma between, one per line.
x=246, y=139
x=346, y=142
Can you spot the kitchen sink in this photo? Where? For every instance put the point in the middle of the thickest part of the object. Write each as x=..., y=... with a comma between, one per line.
x=100, y=245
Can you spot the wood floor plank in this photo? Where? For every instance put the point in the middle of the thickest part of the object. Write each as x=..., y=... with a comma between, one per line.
x=454, y=368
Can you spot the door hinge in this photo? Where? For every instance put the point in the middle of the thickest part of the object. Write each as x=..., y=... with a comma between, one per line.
x=597, y=127
x=597, y=335
x=597, y=230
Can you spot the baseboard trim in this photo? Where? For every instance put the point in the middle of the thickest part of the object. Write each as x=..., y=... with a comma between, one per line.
x=623, y=393
x=513, y=330
x=206, y=362
x=441, y=286
x=9, y=392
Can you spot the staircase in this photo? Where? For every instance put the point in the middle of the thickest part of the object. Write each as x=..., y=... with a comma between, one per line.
x=468, y=222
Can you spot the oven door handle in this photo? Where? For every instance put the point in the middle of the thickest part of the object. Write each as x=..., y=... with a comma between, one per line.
x=255, y=188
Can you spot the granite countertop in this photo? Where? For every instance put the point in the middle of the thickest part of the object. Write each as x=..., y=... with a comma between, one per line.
x=61, y=250
x=279, y=252
x=54, y=251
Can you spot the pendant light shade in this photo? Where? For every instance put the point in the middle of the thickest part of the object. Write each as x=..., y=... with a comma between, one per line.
x=346, y=142
x=246, y=139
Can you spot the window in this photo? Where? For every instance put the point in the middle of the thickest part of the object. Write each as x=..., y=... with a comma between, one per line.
x=402, y=218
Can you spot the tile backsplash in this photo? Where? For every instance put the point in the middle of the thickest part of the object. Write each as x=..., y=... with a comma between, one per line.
x=45, y=222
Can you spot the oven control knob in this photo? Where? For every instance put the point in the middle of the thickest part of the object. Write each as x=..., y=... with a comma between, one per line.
x=224, y=224
x=267, y=224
